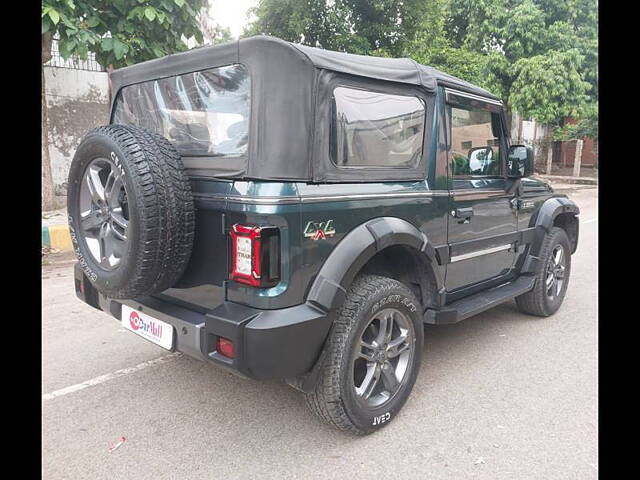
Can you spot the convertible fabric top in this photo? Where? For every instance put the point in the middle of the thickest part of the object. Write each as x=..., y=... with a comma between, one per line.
x=285, y=78
x=403, y=70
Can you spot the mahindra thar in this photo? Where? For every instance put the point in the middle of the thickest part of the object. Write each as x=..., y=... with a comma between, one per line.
x=297, y=214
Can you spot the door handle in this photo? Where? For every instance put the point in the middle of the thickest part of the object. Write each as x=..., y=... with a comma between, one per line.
x=463, y=214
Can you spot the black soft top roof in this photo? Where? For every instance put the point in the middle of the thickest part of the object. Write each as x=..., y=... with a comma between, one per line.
x=288, y=135
x=402, y=70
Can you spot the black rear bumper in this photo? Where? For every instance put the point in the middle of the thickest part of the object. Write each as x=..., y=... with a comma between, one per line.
x=269, y=344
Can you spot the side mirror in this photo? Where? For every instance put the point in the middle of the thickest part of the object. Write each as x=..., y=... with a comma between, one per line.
x=479, y=159
x=520, y=161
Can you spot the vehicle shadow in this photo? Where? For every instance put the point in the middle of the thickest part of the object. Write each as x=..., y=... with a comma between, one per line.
x=249, y=410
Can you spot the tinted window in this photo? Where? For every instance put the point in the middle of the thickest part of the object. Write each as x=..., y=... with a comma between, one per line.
x=201, y=113
x=377, y=129
x=475, y=142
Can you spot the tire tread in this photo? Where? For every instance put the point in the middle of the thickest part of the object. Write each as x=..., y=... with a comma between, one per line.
x=326, y=401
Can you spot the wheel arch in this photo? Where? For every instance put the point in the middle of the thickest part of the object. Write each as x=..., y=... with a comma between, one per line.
x=554, y=212
x=367, y=245
x=371, y=241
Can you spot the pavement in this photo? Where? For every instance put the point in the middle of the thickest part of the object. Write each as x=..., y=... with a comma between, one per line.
x=562, y=179
x=502, y=395
x=55, y=230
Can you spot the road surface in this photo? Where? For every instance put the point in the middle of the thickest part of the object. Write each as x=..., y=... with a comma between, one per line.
x=502, y=395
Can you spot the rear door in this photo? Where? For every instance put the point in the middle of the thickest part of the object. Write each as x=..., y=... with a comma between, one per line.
x=482, y=220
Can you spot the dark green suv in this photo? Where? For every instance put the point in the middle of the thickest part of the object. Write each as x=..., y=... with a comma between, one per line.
x=297, y=214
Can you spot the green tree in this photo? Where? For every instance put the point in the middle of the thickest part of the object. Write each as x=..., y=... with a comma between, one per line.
x=122, y=32
x=378, y=27
x=549, y=87
x=119, y=33
x=585, y=126
x=431, y=46
x=541, y=55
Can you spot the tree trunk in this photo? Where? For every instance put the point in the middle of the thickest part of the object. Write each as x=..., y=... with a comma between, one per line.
x=508, y=115
x=578, y=158
x=109, y=70
x=519, y=129
x=549, y=157
x=47, y=178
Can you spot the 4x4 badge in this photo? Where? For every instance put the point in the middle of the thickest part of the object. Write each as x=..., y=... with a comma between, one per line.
x=316, y=231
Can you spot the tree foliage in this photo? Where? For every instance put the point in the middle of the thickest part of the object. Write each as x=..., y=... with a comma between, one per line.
x=121, y=32
x=549, y=87
x=431, y=46
x=541, y=55
x=380, y=27
x=585, y=126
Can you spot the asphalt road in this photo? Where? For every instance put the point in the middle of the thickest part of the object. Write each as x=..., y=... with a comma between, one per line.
x=500, y=396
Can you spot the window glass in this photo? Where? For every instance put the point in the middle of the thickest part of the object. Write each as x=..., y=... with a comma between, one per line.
x=377, y=129
x=201, y=113
x=475, y=142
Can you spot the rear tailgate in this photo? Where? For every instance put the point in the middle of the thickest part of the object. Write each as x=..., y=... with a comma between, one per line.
x=201, y=288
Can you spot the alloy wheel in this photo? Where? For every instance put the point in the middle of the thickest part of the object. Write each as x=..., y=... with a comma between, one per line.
x=104, y=212
x=383, y=357
x=555, y=272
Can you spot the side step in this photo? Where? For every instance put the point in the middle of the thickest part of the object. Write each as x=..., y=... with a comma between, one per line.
x=479, y=302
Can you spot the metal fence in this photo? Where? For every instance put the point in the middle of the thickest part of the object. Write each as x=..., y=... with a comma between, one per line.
x=76, y=63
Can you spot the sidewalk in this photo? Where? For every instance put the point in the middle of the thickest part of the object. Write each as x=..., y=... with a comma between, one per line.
x=553, y=179
x=571, y=187
x=563, y=184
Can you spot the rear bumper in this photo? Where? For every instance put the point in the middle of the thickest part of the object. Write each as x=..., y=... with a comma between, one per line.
x=269, y=344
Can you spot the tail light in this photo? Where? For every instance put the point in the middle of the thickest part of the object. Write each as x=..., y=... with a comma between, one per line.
x=255, y=255
x=224, y=347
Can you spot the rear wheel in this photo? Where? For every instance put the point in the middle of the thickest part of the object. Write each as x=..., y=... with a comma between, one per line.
x=374, y=356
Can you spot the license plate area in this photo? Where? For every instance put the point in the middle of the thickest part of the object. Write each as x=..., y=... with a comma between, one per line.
x=148, y=327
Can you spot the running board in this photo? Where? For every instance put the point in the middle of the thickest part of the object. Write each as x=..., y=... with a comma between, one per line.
x=479, y=302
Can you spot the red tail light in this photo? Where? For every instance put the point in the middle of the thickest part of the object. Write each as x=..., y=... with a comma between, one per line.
x=224, y=346
x=255, y=255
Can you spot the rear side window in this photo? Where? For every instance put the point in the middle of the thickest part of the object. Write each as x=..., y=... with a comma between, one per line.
x=374, y=129
x=203, y=113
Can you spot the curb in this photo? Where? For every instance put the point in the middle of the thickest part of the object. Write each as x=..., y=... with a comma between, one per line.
x=571, y=188
x=568, y=180
x=57, y=236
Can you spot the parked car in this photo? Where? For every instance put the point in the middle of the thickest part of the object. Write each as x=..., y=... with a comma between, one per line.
x=298, y=214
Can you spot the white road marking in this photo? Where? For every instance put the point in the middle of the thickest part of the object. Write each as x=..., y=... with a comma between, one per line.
x=591, y=220
x=109, y=376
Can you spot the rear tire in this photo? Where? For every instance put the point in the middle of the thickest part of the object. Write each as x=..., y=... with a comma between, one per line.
x=345, y=396
x=549, y=291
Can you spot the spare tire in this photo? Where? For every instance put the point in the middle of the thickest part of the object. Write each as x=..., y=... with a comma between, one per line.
x=131, y=213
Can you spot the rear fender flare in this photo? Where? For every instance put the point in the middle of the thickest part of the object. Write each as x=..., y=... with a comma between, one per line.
x=329, y=288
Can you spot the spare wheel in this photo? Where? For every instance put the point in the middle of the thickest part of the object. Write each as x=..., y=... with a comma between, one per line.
x=131, y=212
